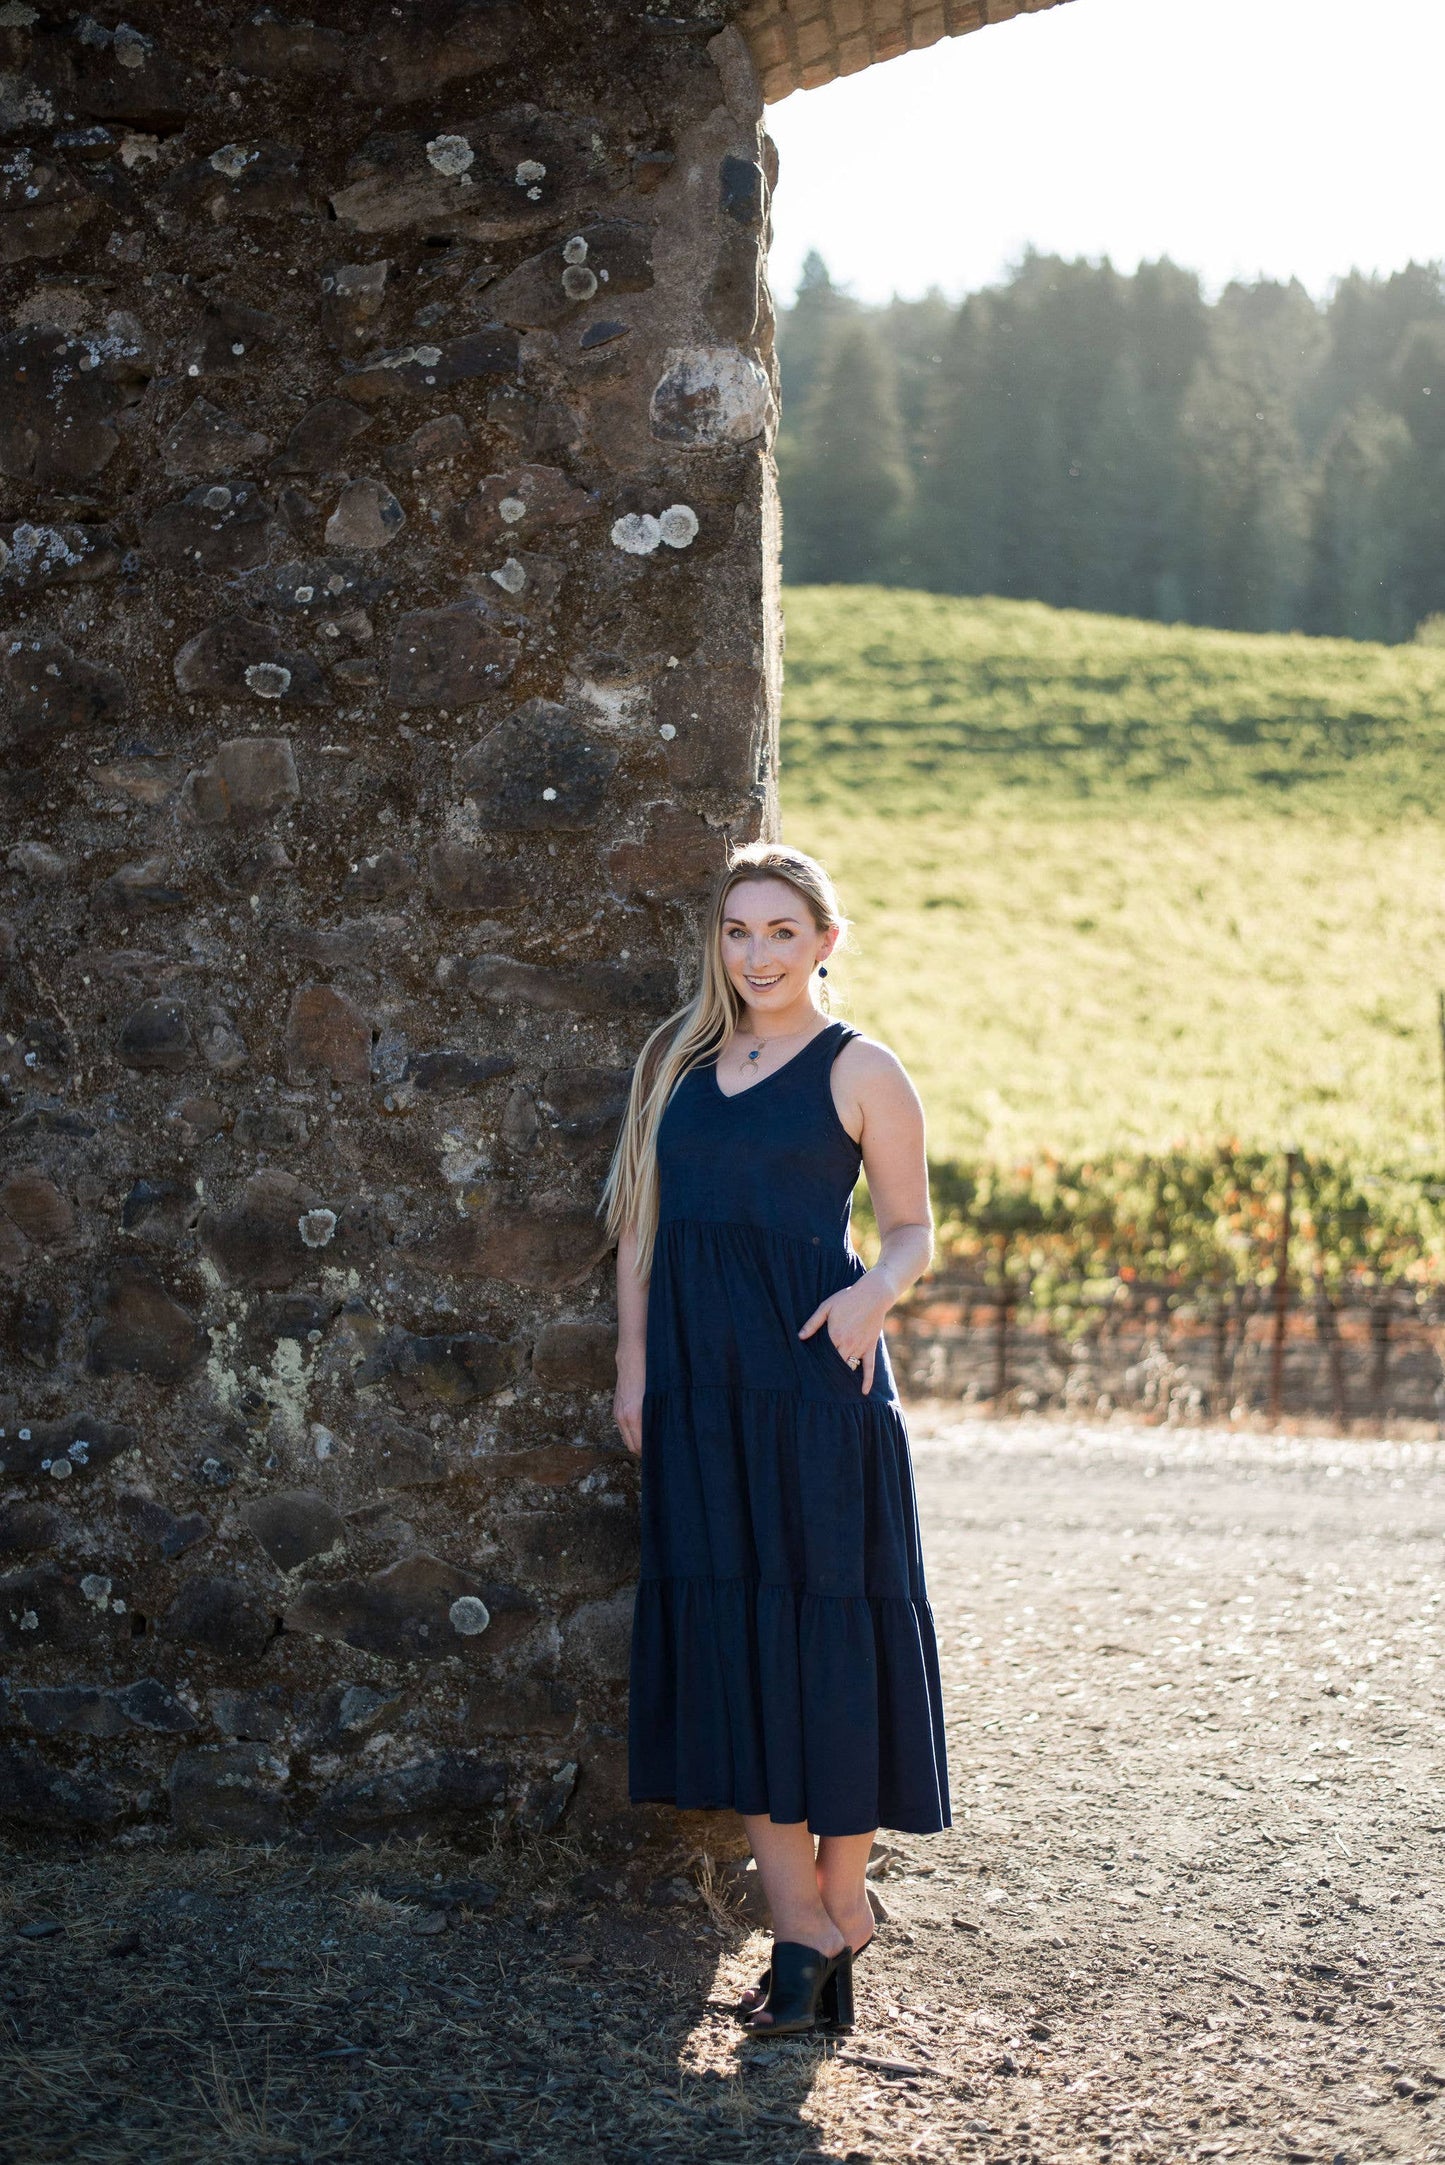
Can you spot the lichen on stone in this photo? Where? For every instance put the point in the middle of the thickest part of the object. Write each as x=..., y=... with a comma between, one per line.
x=269, y=680
x=678, y=526
x=638, y=532
x=451, y=155
x=231, y=159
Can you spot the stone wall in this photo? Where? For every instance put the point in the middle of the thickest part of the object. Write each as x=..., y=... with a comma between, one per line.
x=799, y=44
x=389, y=648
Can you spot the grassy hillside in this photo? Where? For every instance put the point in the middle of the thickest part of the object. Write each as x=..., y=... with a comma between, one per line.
x=1127, y=885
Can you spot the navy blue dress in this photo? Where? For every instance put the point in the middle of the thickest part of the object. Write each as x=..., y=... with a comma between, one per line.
x=783, y=1652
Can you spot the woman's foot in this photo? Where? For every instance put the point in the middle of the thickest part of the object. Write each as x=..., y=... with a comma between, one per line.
x=809, y=1988
x=853, y=1933
x=828, y=1942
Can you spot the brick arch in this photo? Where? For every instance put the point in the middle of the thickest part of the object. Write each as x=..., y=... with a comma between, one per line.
x=800, y=44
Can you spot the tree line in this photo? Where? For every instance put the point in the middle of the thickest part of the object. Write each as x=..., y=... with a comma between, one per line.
x=1260, y=462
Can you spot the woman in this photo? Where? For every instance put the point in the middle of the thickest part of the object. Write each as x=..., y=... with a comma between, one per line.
x=783, y=1656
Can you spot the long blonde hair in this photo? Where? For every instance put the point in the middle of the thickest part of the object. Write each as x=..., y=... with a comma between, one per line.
x=697, y=1033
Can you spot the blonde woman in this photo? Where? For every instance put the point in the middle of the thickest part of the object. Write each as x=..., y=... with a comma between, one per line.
x=783, y=1654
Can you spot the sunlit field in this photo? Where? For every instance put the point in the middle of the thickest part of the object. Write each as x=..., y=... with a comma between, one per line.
x=1120, y=884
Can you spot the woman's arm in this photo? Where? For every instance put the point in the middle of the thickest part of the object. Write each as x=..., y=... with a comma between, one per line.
x=883, y=1112
x=631, y=1344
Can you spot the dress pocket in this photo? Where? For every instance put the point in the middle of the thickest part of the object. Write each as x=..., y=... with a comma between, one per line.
x=840, y=1359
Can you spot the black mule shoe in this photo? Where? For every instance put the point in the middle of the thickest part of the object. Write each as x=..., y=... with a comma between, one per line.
x=754, y=2000
x=807, y=1991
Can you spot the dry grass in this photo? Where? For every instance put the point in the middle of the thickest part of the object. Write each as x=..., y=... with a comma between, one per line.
x=242, y=2113
x=371, y=1908
x=718, y=1895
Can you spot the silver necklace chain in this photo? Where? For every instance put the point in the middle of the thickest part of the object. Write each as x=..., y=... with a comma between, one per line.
x=750, y=1061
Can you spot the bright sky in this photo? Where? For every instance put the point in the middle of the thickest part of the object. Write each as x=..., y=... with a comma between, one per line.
x=1283, y=137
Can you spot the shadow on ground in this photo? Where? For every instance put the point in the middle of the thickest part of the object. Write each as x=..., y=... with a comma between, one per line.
x=171, y=2005
x=1189, y=1909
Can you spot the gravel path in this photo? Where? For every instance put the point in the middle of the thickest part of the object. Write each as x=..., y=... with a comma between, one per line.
x=1190, y=1908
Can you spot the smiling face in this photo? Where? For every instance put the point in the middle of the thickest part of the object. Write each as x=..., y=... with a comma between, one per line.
x=771, y=947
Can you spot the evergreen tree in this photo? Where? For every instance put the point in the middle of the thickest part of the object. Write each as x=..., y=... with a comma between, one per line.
x=917, y=333
x=1085, y=438
x=846, y=479
x=1252, y=486
x=1357, y=585
x=957, y=527
x=1060, y=329
x=1248, y=505
x=1367, y=323
x=1418, y=384
x=1121, y=560
x=806, y=332
x=1168, y=337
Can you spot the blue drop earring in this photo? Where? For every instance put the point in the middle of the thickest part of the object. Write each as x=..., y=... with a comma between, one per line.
x=822, y=969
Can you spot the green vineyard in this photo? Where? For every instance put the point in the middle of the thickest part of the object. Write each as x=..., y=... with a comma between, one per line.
x=1141, y=907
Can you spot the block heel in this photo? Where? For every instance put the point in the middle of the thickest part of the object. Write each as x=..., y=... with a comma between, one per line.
x=835, y=2004
x=754, y=1997
x=800, y=1979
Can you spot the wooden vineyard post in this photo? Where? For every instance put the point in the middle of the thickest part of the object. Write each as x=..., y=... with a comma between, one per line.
x=1000, y=1347
x=1281, y=1289
x=1221, y=1350
x=1327, y=1331
x=1440, y=1017
x=1380, y=1318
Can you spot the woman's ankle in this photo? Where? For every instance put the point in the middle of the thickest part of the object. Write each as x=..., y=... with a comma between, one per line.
x=852, y=1914
x=810, y=1930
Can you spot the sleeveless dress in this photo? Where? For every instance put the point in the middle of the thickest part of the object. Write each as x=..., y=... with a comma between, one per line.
x=783, y=1652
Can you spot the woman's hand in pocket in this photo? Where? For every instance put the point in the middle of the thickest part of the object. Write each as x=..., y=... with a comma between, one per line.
x=627, y=1402
x=853, y=1320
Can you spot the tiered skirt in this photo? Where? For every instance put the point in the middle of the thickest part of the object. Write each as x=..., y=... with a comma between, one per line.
x=784, y=1661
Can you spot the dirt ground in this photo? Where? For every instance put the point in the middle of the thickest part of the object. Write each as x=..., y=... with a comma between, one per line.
x=1190, y=1907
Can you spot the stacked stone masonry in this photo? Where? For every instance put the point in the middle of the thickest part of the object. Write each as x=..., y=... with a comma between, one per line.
x=387, y=562
x=800, y=44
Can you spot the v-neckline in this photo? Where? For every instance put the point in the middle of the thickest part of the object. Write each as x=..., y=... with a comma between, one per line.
x=729, y=1095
